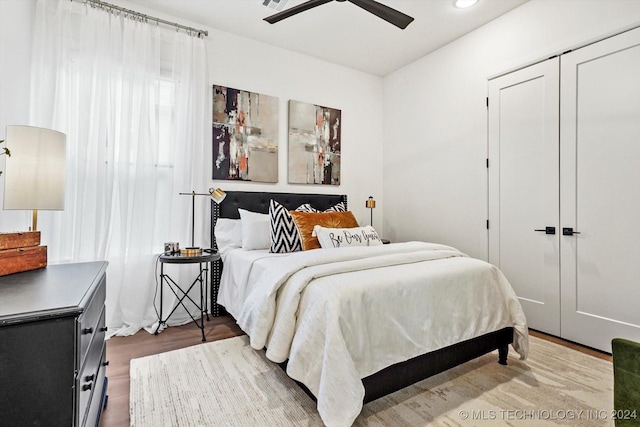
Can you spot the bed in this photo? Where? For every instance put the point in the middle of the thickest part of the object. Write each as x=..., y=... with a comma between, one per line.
x=488, y=317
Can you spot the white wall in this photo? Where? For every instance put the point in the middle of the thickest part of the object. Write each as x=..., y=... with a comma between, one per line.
x=435, y=117
x=273, y=71
x=244, y=64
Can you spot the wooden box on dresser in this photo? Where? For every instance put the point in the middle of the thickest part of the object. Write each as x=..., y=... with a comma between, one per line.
x=52, y=348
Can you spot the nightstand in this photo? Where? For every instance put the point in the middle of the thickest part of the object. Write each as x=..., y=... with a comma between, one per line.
x=182, y=292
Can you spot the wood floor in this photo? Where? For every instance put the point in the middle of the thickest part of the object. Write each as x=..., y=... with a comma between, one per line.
x=120, y=351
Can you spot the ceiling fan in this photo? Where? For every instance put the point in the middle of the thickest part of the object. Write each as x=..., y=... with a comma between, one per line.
x=390, y=15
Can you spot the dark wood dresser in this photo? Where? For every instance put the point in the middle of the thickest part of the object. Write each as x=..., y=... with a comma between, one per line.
x=52, y=348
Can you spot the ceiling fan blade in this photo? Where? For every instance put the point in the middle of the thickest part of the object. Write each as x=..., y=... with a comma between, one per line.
x=390, y=15
x=295, y=10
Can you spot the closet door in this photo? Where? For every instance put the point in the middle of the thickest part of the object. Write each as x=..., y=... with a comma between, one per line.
x=524, y=188
x=600, y=191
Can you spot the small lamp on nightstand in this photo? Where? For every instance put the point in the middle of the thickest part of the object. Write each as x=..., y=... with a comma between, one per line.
x=371, y=205
x=217, y=195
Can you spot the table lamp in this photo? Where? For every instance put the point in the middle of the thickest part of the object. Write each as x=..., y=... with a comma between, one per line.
x=218, y=196
x=371, y=204
x=35, y=172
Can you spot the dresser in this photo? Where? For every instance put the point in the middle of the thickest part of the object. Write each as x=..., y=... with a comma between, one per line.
x=52, y=347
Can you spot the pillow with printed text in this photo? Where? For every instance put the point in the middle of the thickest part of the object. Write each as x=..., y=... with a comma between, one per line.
x=345, y=237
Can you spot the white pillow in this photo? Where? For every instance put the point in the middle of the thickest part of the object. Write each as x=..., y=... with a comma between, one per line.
x=255, y=230
x=228, y=234
x=344, y=237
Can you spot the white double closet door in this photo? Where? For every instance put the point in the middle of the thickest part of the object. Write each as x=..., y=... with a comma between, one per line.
x=564, y=190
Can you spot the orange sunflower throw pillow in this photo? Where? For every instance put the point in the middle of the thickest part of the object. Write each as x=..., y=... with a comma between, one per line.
x=305, y=221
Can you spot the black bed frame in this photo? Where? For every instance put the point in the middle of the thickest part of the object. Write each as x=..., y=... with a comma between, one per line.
x=392, y=378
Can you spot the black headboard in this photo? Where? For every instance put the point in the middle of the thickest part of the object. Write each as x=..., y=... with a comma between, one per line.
x=257, y=201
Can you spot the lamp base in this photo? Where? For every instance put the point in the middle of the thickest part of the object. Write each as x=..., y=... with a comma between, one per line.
x=34, y=220
x=21, y=252
x=191, y=251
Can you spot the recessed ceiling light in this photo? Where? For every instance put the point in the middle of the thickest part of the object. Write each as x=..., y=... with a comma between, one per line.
x=463, y=4
x=275, y=4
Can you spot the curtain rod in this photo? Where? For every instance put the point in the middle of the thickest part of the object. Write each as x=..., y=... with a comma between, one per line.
x=103, y=4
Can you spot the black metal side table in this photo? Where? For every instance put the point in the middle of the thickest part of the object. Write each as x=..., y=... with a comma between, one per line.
x=179, y=291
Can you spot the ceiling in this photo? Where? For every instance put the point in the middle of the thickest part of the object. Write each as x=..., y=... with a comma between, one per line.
x=340, y=32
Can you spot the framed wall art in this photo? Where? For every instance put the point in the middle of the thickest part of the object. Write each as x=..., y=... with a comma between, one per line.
x=245, y=135
x=314, y=144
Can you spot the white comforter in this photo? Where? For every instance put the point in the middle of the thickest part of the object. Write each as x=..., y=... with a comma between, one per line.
x=339, y=315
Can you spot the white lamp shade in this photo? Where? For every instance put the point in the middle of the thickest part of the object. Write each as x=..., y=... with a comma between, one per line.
x=35, y=171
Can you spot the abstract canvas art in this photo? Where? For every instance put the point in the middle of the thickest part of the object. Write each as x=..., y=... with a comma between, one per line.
x=245, y=135
x=314, y=144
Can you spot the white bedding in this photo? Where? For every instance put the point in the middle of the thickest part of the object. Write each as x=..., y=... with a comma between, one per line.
x=339, y=315
x=242, y=269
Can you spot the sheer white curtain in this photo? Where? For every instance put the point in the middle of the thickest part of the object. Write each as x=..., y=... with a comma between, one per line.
x=132, y=99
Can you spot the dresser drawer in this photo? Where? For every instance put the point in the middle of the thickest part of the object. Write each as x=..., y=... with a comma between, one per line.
x=88, y=380
x=88, y=326
x=98, y=399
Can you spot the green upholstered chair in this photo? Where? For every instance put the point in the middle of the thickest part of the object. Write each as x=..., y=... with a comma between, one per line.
x=626, y=382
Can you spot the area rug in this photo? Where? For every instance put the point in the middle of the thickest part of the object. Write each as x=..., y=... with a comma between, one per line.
x=227, y=383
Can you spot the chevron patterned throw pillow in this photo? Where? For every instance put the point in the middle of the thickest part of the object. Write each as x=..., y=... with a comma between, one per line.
x=284, y=234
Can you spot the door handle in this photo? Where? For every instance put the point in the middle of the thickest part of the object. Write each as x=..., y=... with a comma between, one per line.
x=548, y=230
x=568, y=231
